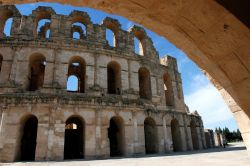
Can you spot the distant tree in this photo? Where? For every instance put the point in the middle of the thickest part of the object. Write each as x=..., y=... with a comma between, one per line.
x=216, y=130
x=219, y=130
x=231, y=136
x=239, y=137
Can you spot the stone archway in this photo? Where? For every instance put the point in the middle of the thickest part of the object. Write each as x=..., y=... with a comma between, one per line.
x=116, y=136
x=176, y=135
x=210, y=35
x=74, y=138
x=28, y=139
x=114, y=77
x=150, y=133
x=37, y=64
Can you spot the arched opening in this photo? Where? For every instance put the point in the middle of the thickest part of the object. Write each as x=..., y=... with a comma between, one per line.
x=176, y=136
x=150, y=133
x=221, y=75
x=28, y=139
x=78, y=30
x=110, y=37
x=1, y=62
x=37, y=63
x=72, y=84
x=76, y=69
x=43, y=28
x=42, y=21
x=116, y=136
x=114, y=78
x=144, y=83
x=76, y=36
x=74, y=138
x=168, y=89
x=7, y=26
x=112, y=30
x=194, y=135
x=138, y=46
x=6, y=20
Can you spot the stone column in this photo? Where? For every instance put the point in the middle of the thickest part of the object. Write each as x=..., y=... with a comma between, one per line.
x=14, y=66
x=90, y=142
x=190, y=143
x=188, y=134
x=160, y=136
x=95, y=69
x=139, y=138
x=241, y=117
x=129, y=139
x=98, y=139
x=199, y=137
x=135, y=129
x=55, y=135
x=168, y=139
x=48, y=75
x=9, y=141
x=129, y=74
x=202, y=134
x=60, y=72
x=183, y=138
x=42, y=139
x=104, y=140
x=1, y=127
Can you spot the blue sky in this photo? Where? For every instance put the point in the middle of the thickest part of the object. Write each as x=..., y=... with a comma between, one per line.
x=199, y=93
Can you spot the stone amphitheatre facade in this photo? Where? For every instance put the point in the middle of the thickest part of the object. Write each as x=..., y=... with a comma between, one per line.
x=125, y=105
x=215, y=34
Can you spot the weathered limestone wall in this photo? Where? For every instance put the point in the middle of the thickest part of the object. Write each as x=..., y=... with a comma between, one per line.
x=28, y=55
x=52, y=114
x=206, y=41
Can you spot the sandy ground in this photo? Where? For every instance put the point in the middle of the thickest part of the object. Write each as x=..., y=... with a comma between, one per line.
x=234, y=155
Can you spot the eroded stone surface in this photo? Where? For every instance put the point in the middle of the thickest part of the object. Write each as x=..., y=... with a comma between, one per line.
x=125, y=104
x=209, y=34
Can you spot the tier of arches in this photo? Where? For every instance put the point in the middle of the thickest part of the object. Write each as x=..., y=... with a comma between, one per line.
x=74, y=137
x=79, y=28
x=76, y=77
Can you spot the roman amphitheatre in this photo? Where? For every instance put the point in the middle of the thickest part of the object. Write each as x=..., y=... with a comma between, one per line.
x=124, y=101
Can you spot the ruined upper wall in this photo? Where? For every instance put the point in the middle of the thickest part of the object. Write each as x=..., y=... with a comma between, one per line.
x=57, y=50
x=61, y=29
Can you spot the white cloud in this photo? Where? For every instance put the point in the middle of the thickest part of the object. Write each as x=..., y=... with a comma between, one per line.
x=206, y=99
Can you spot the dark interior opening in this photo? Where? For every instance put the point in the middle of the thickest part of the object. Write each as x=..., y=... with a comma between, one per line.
x=37, y=70
x=176, y=136
x=28, y=141
x=116, y=137
x=74, y=137
x=114, y=78
x=144, y=84
x=150, y=132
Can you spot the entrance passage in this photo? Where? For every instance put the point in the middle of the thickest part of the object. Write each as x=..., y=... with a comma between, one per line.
x=74, y=137
x=37, y=70
x=194, y=135
x=176, y=136
x=144, y=83
x=116, y=136
x=150, y=132
x=28, y=142
x=114, y=78
x=76, y=75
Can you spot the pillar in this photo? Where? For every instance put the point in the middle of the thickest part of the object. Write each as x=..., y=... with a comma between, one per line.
x=241, y=117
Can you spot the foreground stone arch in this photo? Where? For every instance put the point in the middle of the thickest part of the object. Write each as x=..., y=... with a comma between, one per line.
x=210, y=35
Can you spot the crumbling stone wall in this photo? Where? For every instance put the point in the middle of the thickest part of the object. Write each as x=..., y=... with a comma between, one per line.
x=92, y=105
